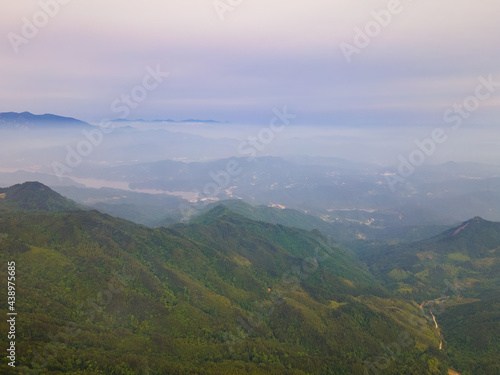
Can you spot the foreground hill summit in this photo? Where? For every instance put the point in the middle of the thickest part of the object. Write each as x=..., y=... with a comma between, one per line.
x=34, y=196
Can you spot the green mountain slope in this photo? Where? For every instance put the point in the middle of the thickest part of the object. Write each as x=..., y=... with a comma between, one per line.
x=456, y=277
x=356, y=232
x=236, y=234
x=226, y=294
x=471, y=332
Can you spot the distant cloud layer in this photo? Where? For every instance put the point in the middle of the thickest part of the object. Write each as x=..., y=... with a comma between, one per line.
x=237, y=62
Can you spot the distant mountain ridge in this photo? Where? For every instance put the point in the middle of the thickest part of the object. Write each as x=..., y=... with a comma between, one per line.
x=30, y=119
x=173, y=121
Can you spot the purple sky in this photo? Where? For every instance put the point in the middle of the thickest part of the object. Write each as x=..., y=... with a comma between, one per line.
x=264, y=54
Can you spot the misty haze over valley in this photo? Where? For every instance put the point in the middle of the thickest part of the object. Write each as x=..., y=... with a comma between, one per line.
x=112, y=168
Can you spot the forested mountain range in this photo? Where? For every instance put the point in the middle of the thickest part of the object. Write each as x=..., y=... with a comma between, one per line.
x=223, y=293
x=228, y=293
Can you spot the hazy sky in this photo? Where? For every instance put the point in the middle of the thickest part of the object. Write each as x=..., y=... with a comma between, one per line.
x=263, y=54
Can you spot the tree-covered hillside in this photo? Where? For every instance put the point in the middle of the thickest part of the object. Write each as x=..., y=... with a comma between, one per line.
x=456, y=277
x=222, y=295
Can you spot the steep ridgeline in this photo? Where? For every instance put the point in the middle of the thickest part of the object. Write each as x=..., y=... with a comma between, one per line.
x=467, y=255
x=100, y=295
